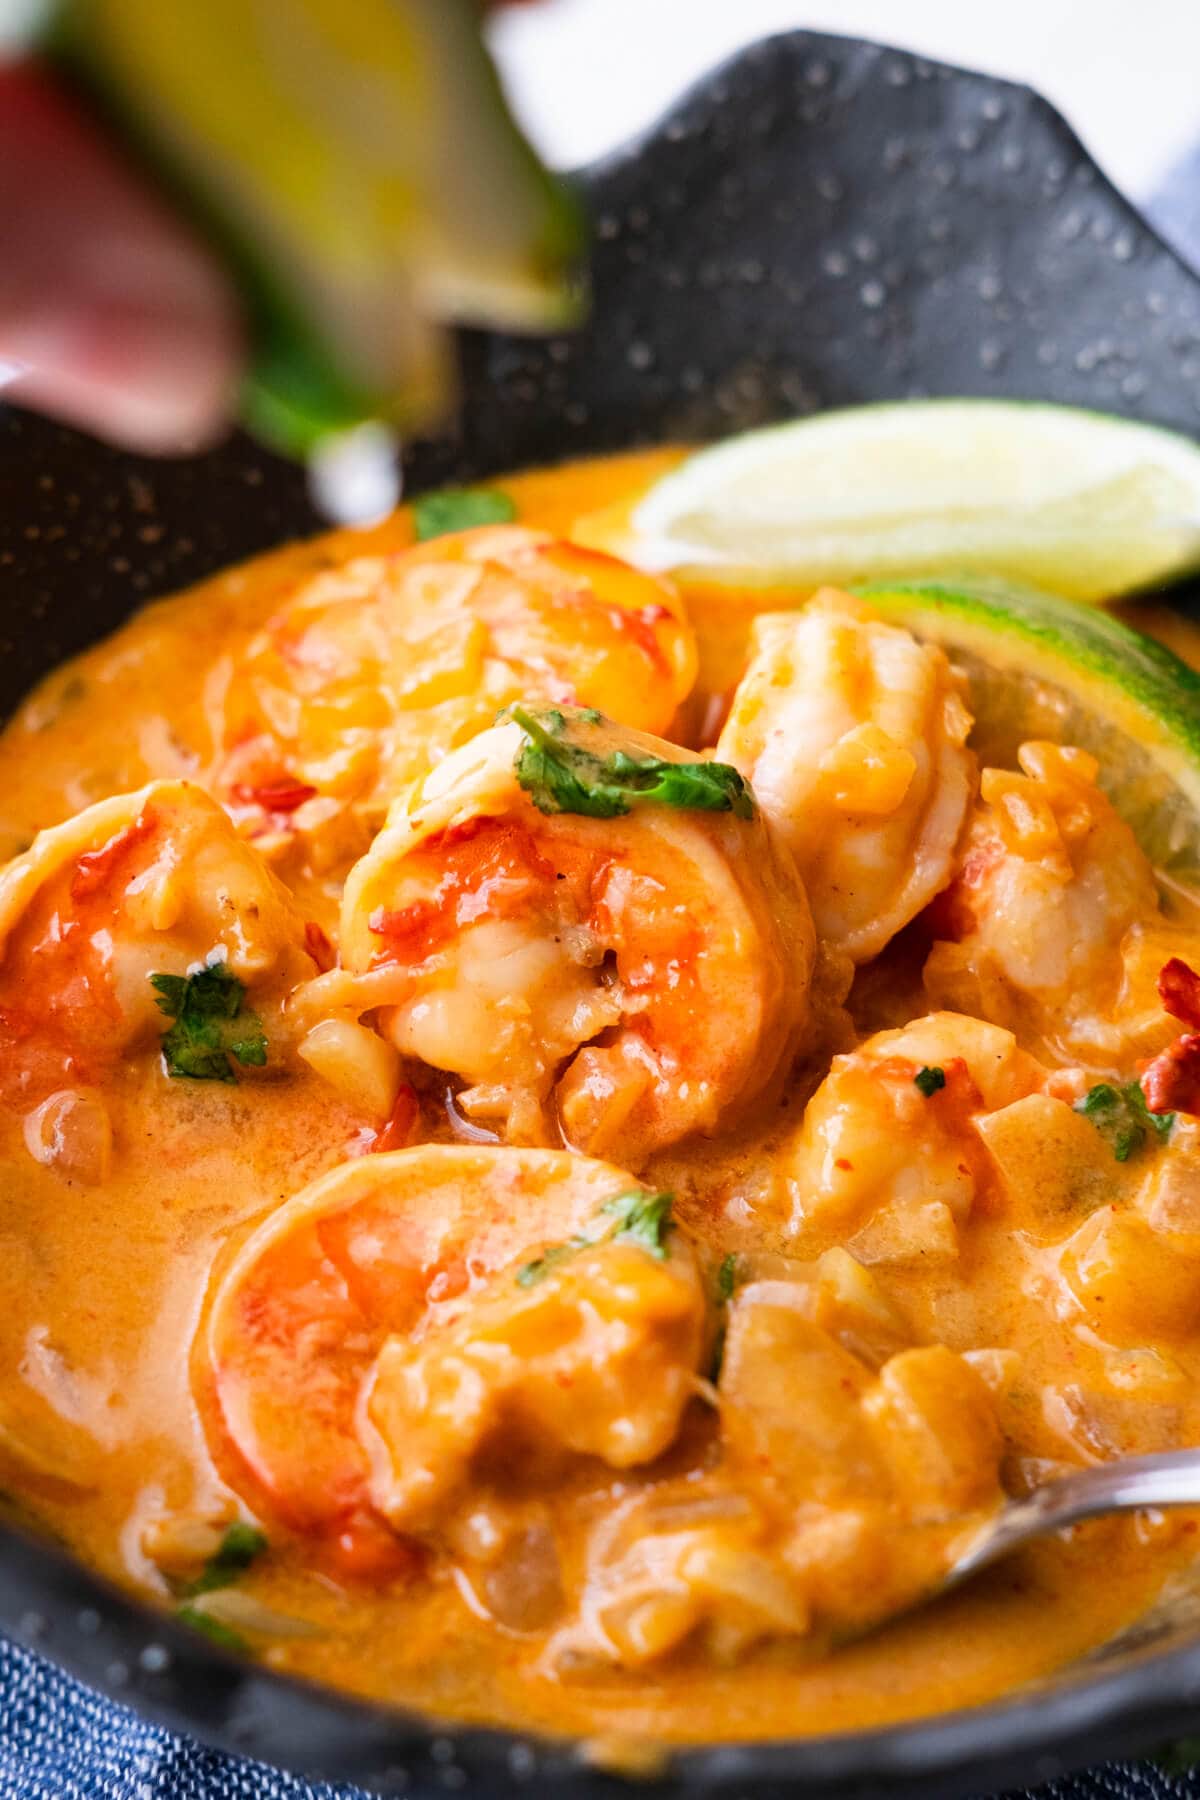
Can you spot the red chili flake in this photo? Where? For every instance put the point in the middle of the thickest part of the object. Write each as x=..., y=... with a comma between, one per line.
x=405, y=1116
x=404, y=929
x=94, y=869
x=1179, y=991
x=1171, y=1082
x=318, y=946
x=282, y=795
x=960, y=1091
x=951, y=914
x=842, y=1162
x=367, y=1551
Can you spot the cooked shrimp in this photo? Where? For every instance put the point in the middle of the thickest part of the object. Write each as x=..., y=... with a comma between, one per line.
x=886, y=1159
x=411, y=1313
x=853, y=736
x=594, y=1355
x=1049, y=884
x=627, y=980
x=155, y=883
x=375, y=670
x=841, y=1492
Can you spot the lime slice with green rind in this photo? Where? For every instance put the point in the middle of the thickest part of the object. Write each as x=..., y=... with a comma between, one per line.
x=1044, y=667
x=357, y=165
x=1079, y=503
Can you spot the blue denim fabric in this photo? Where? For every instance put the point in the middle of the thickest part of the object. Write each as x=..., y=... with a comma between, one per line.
x=61, y=1741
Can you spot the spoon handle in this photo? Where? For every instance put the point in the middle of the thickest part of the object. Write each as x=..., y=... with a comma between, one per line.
x=1172, y=1479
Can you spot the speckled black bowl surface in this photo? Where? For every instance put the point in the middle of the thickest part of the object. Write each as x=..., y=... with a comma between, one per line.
x=820, y=222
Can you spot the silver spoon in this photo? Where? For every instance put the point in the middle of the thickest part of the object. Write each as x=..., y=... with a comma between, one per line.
x=1172, y=1479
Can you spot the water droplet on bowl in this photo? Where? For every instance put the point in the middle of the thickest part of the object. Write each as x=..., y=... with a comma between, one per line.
x=522, y=1760
x=354, y=476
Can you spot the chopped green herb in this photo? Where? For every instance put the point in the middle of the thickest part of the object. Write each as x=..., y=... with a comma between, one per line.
x=1121, y=1115
x=559, y=777
x=725, y=1285
x=239, y=1547
x=645, y=1217
x=210, y=1024
x=562, y=777
x=530, y=1273
x=458, y=509
x=930, y=1080
x=212, y=1628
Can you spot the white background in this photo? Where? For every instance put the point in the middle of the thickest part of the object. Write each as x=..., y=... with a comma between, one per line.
x=584, y=74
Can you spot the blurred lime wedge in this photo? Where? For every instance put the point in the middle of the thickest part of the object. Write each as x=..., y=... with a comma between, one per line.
x=356, y=163
x=1044, y=667
x=1077, y=502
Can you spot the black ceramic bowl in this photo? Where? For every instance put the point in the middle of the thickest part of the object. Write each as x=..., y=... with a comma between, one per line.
x=820, y=222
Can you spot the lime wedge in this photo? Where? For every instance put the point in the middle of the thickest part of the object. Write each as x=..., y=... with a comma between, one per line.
x=1077, y=502
x=1043, y=667
x=358, y=167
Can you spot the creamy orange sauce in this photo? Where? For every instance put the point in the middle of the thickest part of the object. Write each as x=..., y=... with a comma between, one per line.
x=108, y=1435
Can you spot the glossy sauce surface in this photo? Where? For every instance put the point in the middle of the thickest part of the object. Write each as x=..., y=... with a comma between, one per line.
x=107, y=1428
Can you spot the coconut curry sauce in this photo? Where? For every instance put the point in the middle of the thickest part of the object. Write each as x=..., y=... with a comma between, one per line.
x=505, y=1215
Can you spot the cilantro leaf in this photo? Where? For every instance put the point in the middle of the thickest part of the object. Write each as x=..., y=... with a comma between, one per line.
x=458, y=509
x=563, y=777
x=240, y=1546
x=642, y=1216
x=725, y=1284
x=210, y=1024
x=212, y=1628
x=1121, y=1115
x=530, y=1273
x=930, y=1080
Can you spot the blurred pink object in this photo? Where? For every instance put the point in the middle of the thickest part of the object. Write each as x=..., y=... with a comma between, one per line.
x=112, y=316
